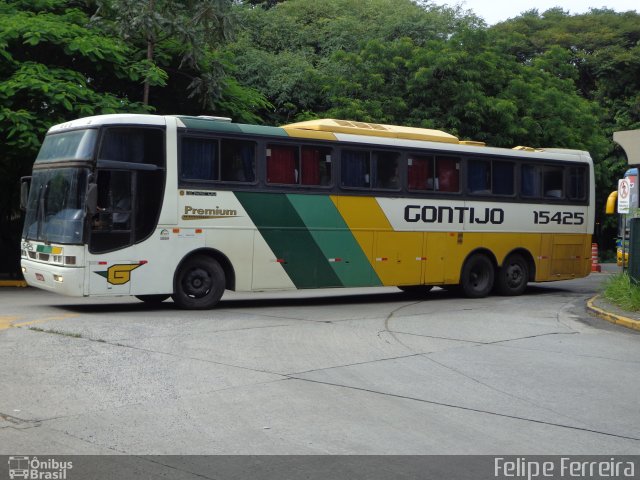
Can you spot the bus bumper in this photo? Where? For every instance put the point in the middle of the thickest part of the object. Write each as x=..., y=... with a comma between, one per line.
x=54, y=278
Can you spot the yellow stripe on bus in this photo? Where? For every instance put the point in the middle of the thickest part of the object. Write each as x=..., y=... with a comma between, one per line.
x=413, y=258
x=396, y=257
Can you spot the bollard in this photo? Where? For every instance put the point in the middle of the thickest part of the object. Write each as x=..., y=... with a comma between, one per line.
x=595, y=261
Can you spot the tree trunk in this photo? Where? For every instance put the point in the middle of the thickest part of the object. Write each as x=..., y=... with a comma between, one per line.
x=150, y=51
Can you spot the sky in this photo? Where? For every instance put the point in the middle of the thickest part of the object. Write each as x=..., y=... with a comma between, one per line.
x=494, y=11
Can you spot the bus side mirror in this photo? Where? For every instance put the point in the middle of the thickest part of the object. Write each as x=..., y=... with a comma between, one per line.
x=92, y=199
x=25, y=184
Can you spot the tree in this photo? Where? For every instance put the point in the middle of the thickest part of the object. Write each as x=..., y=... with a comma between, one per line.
x=465, y=86
x=177, y=45
x=285, y=51
x=53, y=68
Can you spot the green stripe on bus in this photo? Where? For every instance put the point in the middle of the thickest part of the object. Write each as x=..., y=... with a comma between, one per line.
x=288, y=237
x=333, y=237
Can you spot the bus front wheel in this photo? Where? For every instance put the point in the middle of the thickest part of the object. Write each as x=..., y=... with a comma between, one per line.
x=476, y=280
x=513, y=276
x=199, y=283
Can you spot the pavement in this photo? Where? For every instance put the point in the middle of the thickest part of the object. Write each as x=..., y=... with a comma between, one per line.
x=597, y=304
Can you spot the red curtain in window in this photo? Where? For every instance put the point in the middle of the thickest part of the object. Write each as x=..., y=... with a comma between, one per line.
x=419, y=172
x=448, y=175
x=310, y=166
x=281, y=165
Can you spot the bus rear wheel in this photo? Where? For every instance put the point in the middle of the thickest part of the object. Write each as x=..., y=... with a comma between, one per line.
x=513, y=275
x=476, y=279
x=199, y=283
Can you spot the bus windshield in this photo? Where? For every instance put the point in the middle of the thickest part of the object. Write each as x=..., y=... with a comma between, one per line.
x=74, y=145
x=55, y=210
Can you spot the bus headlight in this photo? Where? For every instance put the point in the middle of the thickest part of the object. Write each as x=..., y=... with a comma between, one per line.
x=58, y=278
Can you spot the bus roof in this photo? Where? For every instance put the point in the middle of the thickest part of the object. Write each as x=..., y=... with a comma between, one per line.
x=374, y=130
x=327, y=129
x=114, y=118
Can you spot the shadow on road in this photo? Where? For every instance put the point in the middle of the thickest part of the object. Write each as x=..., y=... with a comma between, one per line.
x=437, y=294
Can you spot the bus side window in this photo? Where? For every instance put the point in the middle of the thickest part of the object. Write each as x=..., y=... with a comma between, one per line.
x=577, y=183
x=502, y=176
x=552, y=181
x=199, y=159
x=238, y=161
x=282, y=164
x=315, y=166
x=447, y=174
x=531, y=181
x=385, y=170
x=420, y=172
x=479, y=176
x=134, y=145
x=355, y=168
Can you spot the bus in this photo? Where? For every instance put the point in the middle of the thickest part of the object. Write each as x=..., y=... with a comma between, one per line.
x=188, y=207
x=630, y=187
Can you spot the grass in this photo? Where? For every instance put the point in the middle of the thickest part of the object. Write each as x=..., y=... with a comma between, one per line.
x=57, y=332
x=623, y=292
x=69, y=334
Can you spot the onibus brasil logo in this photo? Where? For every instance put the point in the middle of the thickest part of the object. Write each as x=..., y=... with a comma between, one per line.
x=35, y=469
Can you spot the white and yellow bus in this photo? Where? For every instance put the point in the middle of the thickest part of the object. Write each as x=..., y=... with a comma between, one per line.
x=160, y=206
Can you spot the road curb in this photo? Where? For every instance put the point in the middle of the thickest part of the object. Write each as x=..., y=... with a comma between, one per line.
x=611, y=317
x=13, y=283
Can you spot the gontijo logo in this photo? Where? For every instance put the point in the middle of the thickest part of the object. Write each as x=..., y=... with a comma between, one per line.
x=35, y=469
x=120, y=274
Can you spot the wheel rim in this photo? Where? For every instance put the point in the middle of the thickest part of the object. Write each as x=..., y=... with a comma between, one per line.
x=197, y=283
x=514, y=275
x=479, y=278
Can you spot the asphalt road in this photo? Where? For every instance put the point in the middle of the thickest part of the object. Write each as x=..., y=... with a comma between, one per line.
x=368, y=371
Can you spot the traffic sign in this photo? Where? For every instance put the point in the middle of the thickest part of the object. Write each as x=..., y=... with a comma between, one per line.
x=624, y=195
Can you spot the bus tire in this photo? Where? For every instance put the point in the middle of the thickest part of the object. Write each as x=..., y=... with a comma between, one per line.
x=153, y=299
x=199, y=283
x=513, y=276
x=476, y=279
x=416, y=291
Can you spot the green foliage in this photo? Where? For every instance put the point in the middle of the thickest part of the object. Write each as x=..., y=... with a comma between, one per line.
x=601, y=47
x=476, y=92
x=53, y=68
x=175, y=45
x=623, y=292
x=149, y=72
x=50, y=73
x=287, y=51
